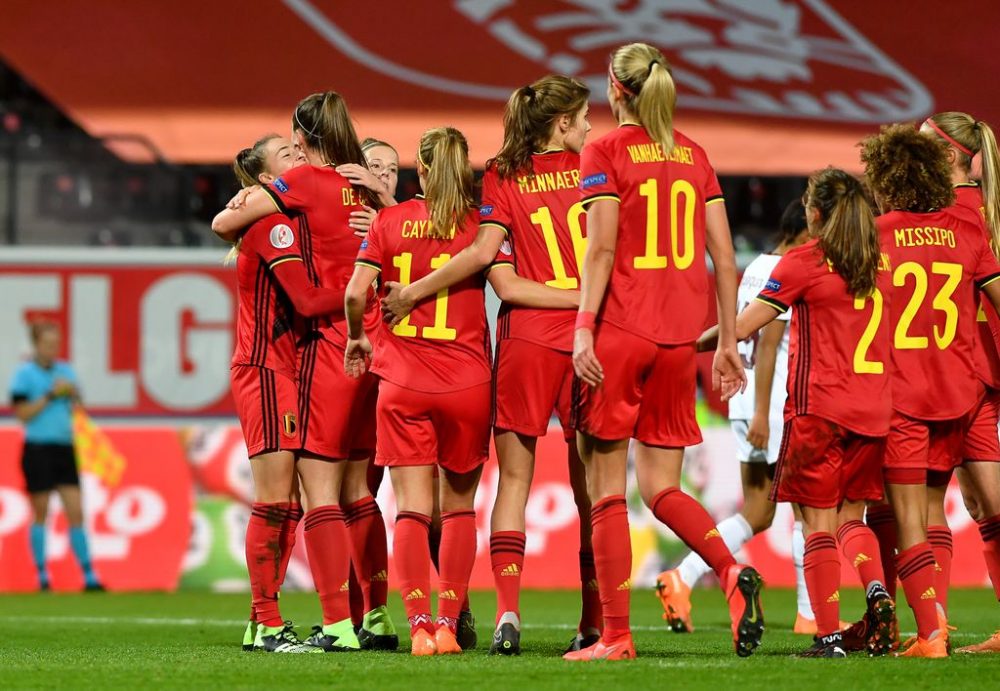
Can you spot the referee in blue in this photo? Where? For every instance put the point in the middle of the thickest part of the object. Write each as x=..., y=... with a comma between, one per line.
x=43, y=392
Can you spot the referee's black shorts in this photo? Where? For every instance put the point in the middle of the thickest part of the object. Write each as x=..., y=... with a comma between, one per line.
x=47, y=466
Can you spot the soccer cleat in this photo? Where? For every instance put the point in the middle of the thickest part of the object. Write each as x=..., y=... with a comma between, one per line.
x=743, y=594
x=422, y=643
x=507, y=637
x=445, y=642
x=583, y=639
x=675, y=596
x=621, y=648
x=377, y=631
x=827, y=646
x=249, y=636
x=94, y=587
x=883, y=628
x=338, y=637
x=466, y=631
x=935, y=648
x=282, y=639
x=990, y=645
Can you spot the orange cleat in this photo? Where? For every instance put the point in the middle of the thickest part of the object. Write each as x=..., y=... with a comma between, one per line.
x=936, y=647
x=622, y=648
x=675, y=596
x=990, y=645
x=446, y=643
x=806, y=627
x=743, y=586
x=422, y=643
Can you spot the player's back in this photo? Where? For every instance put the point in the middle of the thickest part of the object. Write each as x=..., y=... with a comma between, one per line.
x=660, y=253
x=444, y=343
x=540, y=211
x=938, y=259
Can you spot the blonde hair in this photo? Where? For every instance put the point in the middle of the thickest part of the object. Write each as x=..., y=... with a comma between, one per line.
x=444, y=154
x=847, y=235
x=644, y=77
x=248, y=166
x=976, y=136
x=529, y=118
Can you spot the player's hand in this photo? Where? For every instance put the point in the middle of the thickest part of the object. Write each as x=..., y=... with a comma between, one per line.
x=585, y=362
x=360, y=175
x=361, y=221
x=759, y=432
x=395, y=306
x=356, y=356
x=63, y=388
x=728, y=375
x=241, y=197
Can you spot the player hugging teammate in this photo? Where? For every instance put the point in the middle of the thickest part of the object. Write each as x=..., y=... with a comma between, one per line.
x=598, y=254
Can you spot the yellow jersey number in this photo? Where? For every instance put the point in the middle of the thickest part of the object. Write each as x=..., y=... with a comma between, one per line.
x=681, y=230
x=439, y=331
x=542, y=217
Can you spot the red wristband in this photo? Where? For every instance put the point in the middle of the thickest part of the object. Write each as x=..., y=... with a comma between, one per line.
x=586, y=320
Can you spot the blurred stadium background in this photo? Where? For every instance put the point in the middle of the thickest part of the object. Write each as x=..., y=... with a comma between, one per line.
x=117, y=124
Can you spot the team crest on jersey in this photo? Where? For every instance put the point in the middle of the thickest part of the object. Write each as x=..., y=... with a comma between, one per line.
x=772, y=285
x=282, y=236
x=486, y=210
x=595, y=179
x=288, y=423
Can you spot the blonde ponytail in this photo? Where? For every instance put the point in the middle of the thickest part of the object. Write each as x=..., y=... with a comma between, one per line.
x=643, y=75
x=991, y=182
x=444, y=154
x=247, y=167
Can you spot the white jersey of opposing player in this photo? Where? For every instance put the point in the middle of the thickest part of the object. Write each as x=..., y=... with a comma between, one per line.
x=741, y=406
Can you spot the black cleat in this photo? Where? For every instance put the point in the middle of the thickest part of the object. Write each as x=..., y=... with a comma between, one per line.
x=883, y=631
x=744, y=603
x=283, y=640
x=827, y=646
x=466, y=631
x=506, y=640
x=94, y=587
x=581, y=641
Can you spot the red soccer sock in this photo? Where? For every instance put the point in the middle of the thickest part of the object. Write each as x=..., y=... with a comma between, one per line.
x=288, y=532
x=692, y=524
x=263, y=551
x=458, y=556
x=590, y=614
x=507, y=561
x=413, y=562
x=860, y=547
x=882, y=521
x=916, y=572
x=989, y=530
x=329, y=560
x=369, y=551
x=355, y=596
x=821, y=564
x=613, y=563
x=941, y=546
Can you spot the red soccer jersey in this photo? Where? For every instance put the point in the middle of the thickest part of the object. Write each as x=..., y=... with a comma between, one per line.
x=938, y=259
x=264, y=333
x=659, y=285
x=321, y=200
x=839, y=357
x=444, y=343
x=987, y=354
x=541, y=215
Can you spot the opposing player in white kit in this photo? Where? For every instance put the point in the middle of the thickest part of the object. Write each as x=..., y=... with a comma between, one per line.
x=756, y=417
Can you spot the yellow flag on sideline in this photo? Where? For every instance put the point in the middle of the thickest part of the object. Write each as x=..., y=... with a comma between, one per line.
x=95, y=453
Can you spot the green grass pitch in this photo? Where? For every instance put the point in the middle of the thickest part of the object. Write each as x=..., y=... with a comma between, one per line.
x=191, y=640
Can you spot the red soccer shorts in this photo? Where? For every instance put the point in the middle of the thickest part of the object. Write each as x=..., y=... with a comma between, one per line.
x=267, y=405
x=531, y=382
x=915, y=448
x=982, y=442
x=338, y=411
x=448, y=429
x=822, y=464
x=648, y=391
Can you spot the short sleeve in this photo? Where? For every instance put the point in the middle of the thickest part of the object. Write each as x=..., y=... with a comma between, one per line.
x=494, y=212
x=787, y=283
x=276, y=239
x=712, y=190
x=504, y=257
x=370, y=252
x=20, y=385
x=597, y=175
x=987, y=266
x=294, y=190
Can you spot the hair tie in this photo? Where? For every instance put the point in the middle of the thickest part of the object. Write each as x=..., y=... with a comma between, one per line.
x=304, y=128
x=650, y=69
x=617, y=83
x=934, y=126
x=529, y=91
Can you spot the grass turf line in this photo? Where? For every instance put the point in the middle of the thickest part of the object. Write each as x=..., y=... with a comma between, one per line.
x=191, y=640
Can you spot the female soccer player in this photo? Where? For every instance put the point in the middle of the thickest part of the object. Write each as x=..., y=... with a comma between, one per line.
x=837, y=413
x=434, y=383
x=653, y=206
x=271, y=282
x=43, y=392
x=938, y=255
x=530, y=200
x=979, y=474
x=337, y=411
x=756, y=417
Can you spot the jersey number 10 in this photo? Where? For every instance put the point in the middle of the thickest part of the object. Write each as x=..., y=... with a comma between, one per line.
x=543, y=219
x=682, y=257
